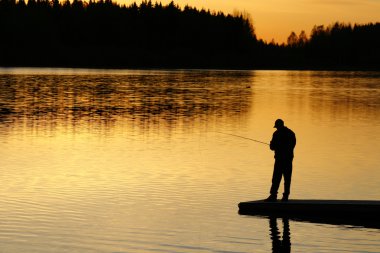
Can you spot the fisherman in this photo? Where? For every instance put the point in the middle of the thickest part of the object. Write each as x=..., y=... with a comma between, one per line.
x=282, y=143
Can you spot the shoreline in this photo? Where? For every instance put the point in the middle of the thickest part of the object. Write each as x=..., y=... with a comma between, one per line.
x=164, y=68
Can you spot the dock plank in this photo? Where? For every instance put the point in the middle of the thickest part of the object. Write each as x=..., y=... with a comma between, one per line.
x=366, y=212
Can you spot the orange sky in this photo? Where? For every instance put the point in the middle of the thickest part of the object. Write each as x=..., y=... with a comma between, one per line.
x=275, y=19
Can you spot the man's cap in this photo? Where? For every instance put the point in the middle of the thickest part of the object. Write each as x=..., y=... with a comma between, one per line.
x=278, y=123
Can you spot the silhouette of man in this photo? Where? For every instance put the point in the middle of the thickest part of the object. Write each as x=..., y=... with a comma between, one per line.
x=282, y=143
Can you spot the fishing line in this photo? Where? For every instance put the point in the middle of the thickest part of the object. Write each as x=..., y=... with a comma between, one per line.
x=244, y=138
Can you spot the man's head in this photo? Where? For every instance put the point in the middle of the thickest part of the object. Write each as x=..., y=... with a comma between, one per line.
x=279, y=123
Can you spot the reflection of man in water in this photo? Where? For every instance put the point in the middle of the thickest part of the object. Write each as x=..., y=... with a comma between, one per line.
x=278, y=245
x=282, y=143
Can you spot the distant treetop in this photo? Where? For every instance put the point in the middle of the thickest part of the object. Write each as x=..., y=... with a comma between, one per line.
x=107, y=34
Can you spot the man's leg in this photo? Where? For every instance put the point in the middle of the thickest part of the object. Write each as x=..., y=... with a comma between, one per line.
x=288, y=168
x=276, y=178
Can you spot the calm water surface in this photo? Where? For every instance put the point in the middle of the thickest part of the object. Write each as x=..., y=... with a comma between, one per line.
x=133, y=161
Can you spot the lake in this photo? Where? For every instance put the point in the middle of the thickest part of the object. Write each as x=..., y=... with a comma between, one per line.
x=142, y=160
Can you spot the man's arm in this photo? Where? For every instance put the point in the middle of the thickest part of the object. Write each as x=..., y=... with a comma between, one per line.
x=273, y=142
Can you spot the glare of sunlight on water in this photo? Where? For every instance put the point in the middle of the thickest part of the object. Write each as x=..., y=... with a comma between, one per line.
x=142, y=160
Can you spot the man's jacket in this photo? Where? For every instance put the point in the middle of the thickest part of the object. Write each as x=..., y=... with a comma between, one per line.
x=283, y=143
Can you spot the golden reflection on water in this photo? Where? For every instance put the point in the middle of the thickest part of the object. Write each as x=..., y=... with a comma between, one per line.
x=133, y=161
x=45, y=102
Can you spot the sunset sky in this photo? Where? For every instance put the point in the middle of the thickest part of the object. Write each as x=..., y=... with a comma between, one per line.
x=275, y=19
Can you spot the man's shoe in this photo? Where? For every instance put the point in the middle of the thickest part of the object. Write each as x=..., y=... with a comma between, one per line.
x=284, y=199
x=271, y=198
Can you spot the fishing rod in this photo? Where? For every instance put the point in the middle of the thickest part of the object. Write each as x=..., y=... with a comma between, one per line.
x=245, y=138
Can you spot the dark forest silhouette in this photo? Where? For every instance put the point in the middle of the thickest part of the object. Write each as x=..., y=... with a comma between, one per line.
x=336, y=46
x=106, y=34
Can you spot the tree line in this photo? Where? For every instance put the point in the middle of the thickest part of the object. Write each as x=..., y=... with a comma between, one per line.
x=106, y=34
x=337, y=46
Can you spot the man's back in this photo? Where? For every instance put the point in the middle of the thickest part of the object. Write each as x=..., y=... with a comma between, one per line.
x=283, y=142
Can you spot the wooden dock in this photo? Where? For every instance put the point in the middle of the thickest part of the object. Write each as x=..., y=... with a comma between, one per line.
x=354, y=212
